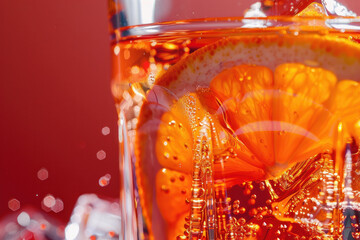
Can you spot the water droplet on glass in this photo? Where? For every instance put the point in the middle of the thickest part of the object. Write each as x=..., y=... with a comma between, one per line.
x=101, y=155
x=14, y=204
x=105, y=131
x=165, y=189
x=43, y=174
x=116, y=50
x=242, y=210
x=126, y=54
x=166, y=155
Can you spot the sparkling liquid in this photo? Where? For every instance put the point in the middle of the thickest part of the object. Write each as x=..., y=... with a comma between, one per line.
x=195, y=177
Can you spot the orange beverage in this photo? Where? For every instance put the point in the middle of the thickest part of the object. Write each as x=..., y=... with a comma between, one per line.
x=240, y=128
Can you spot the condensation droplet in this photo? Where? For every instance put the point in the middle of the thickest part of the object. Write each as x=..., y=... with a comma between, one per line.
x=43, y=174
x=165, y=189
x=104, y=180
x=101, y=155
x=126, y=54
x=135, y=70
x=105, y=131
x=14, y=204
x=116, y=50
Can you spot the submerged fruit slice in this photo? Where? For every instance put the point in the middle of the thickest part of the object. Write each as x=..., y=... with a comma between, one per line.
x=263, y=103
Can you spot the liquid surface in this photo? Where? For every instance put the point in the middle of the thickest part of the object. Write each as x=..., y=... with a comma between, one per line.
x=263, y=147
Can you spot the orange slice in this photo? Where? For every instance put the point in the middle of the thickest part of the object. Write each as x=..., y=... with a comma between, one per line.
x=262, y=103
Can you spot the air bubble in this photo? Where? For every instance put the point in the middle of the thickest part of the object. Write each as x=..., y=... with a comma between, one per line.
x=126, y=54
x=135, y=70
x=242, y=210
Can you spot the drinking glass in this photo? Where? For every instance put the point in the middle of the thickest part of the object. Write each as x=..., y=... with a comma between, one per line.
x=238, y=119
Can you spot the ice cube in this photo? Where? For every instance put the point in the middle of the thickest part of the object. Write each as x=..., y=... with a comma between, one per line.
x=94, y=218
x=30, y=224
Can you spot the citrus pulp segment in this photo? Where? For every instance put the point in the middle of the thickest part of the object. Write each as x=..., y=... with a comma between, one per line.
x=270, y=101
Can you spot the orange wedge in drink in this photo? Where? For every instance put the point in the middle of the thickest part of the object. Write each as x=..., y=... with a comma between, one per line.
x=244, y=108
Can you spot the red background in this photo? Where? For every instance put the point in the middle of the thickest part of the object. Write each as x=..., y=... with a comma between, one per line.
x=54, y=100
